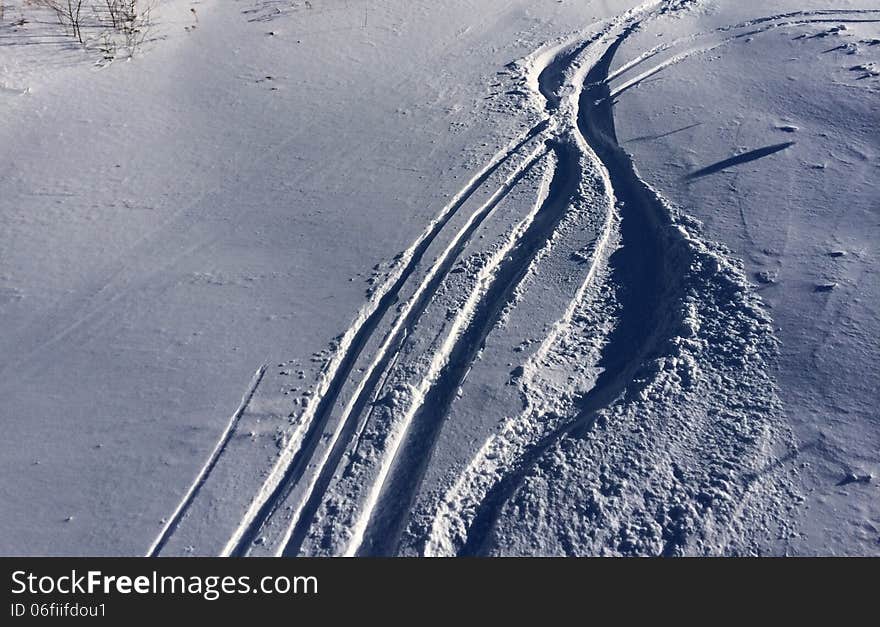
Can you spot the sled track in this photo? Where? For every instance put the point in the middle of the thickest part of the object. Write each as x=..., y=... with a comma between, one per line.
x=575, y=137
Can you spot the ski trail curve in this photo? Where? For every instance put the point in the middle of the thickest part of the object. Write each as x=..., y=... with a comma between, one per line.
x=450, y=363
x=466, y=515
x=411, y=309
x=570, y=85
x=565, y=116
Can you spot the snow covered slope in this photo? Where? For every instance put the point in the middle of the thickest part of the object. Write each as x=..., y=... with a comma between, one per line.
x=804, y=220
x=357, y=278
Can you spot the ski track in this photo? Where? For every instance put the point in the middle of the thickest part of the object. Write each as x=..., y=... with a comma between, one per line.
x=287, y=465
x=509, y=455
x=443, y=357
x=414, y=307
x=201, y=477
x=439, y=360
x=305, y=471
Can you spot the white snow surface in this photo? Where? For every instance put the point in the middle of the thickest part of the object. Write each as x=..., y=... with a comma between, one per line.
x=495, y=277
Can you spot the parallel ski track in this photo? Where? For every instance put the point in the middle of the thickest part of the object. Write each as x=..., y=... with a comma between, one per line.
x=641, y=205
x=294, y=460
x=437, y=391
x=641, y=261
x=391, y=346
x=354, y=341
x=393, y=493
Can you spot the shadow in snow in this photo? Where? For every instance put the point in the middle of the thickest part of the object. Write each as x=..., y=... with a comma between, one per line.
x=745, y=157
